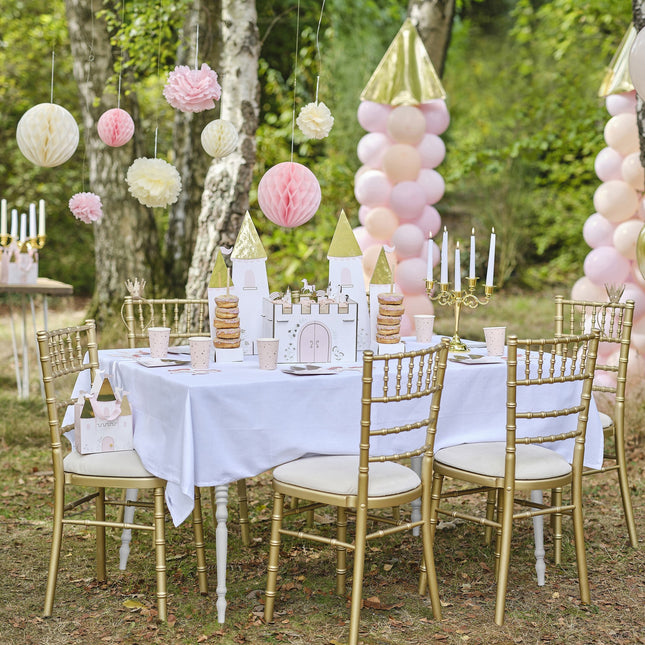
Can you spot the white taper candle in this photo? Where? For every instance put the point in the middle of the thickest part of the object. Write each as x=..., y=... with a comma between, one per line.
x=429, y=266
x=444, y=257
x=490, y=272
x=3, y=217
x=471, y=273
x=457, y=268
x=41, y=217
x=14, y=223
x=32, y=221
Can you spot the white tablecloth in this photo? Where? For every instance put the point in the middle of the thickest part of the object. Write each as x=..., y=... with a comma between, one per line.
x=216, y=428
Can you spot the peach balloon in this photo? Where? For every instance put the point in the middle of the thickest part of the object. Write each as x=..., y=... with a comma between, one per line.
x=406, y=124
x=437, y=116
x=598, y=231
x=633, y=171
x=432, y=150
x=372, y=147
x=608, y=164
x=621, y=133
x=373, y=116
x=401, y=162
x=619, y=103
x=625, y=237
x=408, y=241
x=616, y=200
x=372, y=188
x=407, y=199
x=381, y=222
x=411, y=275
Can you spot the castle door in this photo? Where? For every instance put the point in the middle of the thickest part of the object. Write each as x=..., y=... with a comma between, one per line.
x=314, y=344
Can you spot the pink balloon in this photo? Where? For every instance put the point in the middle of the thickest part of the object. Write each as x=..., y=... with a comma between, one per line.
x=289, y=194
x=637, y=277
x=433, y=184
x=407, y=199
x=638, y=342
x=432, y=150
x=406, y=124
x=608, y=164
x=372, y=188
x=633, y=172
x=371, y=148
x=429, y=222
x=605, y=264
x=437, y=116
x=625, y=237
x=415, y=304
x=381, y=223
x=585, y=289
x=598, y=231
x=373, y=116
x=616, y=200
x=619, y=103
x=408, y=241
x=362, y=213
x=635, y=293
x=115, y=127
x=411, y=276
x=364, y=239
x=401, y=162
x=621, y=133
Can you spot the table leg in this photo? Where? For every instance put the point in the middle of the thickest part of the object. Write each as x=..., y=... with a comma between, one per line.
x=221, y=546
x=415, y=463
x=131, y=495
x=16, y=361
x=538, y=532
x=35, y=330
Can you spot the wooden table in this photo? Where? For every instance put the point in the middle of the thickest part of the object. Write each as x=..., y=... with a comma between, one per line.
x=42, y=287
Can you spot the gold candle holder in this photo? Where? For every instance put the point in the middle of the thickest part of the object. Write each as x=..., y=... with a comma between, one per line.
x=458, y=299
x=30, y=243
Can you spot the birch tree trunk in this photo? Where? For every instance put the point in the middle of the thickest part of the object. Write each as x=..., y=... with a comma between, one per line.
x=125, y=240
x=433, y=19
x=228, y=181
x=638, y=10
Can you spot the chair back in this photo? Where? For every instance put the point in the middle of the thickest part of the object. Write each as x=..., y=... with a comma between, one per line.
x=548, y=364
x=186, y=317
x=64, y=352
x=411, y=383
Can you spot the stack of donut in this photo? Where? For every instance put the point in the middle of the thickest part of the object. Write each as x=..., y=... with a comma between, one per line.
x=388, y=322
x=227, y=322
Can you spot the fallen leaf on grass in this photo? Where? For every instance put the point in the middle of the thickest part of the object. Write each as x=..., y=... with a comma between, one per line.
x=375, y=603
x=133, y=604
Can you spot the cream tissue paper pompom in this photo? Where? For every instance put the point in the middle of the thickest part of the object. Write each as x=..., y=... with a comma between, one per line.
x=315, y=120
x=192, y=90
x=154, y=182
x=87, y=207
x=219, y=138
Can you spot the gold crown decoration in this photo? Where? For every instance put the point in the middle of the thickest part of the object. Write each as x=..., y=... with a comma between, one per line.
x=220, y=278
x=617, y=79
x=343, y=243
x=405, y=75
x=248, y=245
x=382, y=271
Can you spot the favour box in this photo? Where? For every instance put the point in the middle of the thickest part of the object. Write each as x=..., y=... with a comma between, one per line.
x=310, y=332
x=19, y=267
x=102, y=422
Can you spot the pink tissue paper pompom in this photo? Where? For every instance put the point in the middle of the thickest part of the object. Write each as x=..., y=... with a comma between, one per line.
x=192, y=90
x=115, y=127
x=87, y=207
x=289, y=194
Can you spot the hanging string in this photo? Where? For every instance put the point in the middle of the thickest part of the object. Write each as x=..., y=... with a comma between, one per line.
x=90, y=60
x=158, y=75
x=118, y=96
x=322, y=9
x=197, y=36
x=51, y=84
x=295, y=81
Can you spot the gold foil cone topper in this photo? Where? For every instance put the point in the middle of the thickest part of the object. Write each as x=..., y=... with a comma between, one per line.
x=248, y=245
x=219, y=276
x=405, y=75
x=617, y=79
x=382, y=270
x=344, y=244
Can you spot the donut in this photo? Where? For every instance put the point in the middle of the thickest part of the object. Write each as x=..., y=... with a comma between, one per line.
x=391, y=310
x=387, y=340
x=228, y=313
x=390, y=298
x=228, y=334
x=226, y=302
x=382, y=330
x=388, y=321
x=222, y=343
x=226, y=323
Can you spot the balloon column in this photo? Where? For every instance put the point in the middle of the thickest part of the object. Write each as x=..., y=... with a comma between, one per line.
x=403, y=111
x=612, y=231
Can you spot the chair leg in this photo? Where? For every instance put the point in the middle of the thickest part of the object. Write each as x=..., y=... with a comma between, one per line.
x=428, y=534
x=243, y=511
x=101, y=575
x=579, y=537
x=54, y=557
x=556, y=500
x=498, y=532
x=341, y=551
x=274, y=556
x=357, y=578
x=160, y=553
x=624, y=490
x=435, y=499
x=198, y=530
x=490, y=513
x=505, y=555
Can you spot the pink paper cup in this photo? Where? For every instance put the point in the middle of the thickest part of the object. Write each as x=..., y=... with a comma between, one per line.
x=200, y=352
x=267, y=353
x=159, y=338
x=424, y=326
x=495, y=340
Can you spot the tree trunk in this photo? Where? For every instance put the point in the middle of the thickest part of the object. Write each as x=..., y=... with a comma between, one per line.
x=433, y=19
x=638, y=9
x=125, y=240
x=228, y=181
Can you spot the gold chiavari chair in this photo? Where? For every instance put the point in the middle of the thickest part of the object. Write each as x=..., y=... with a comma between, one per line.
x=519, y=463
x=63, y=353
x=407, y=387
x=186, y=317
x=614, y=320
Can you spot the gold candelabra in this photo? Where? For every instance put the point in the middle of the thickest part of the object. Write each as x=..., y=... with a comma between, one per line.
x=458, y=299
x=36, y=242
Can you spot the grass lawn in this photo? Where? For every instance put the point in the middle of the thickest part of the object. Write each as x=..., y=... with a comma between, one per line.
x=307, y=610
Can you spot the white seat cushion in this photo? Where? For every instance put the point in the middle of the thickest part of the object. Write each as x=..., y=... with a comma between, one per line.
x=487, y=458
x=122, y=463
x=606, y=420
x=339, y=475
